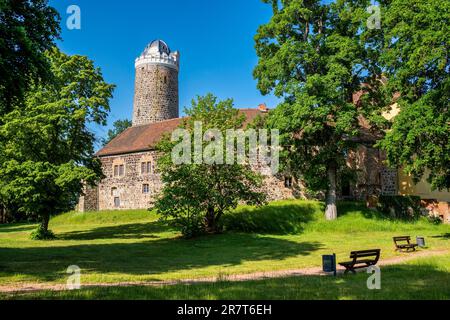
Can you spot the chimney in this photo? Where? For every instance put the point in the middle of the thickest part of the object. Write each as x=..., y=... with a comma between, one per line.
x=263, y=108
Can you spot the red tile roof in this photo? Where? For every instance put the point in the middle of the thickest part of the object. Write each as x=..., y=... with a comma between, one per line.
x=145, y=137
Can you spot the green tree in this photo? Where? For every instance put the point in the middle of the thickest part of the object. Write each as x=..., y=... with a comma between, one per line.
x=415, y=58
x=196, y=194
x=47, y=146
x=315, y=57
x=27, y=30
x=119, y=126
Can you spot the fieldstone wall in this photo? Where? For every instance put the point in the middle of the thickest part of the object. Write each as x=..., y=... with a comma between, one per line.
x=273, y=185
x=156, y=94
x=389, y=178
x=126, y=192
x=129, y=187
x=89, y=200
x=372, y=176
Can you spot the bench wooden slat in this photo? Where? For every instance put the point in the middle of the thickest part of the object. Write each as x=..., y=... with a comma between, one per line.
x=400, y=246
x=358, y=263
x=364, y=255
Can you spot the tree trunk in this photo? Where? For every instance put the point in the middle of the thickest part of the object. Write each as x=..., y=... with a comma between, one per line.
x=331, y=210
x=210, y=220
x=44, y=222
x=2, y=215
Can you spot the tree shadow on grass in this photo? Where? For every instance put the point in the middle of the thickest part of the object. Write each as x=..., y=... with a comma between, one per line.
x=274, y=219
x=16, y=228
x=148, y=257
x=123, y=231
x=401, y=282
x=442, y=236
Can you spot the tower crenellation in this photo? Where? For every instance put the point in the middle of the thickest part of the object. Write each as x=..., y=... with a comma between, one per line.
x=156, y=84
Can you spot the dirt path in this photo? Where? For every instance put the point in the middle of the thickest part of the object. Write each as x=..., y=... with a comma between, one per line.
x=316, y=271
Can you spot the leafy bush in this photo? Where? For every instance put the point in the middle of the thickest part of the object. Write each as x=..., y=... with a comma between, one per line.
x=435, y=220
x=42, y=234
x=400, y=207
x=190, y=226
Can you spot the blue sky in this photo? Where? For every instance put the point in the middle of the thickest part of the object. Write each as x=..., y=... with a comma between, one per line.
x=214, y=37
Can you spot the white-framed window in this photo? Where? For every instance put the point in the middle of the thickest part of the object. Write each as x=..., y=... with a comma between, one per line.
x=147, y=167
x=146, y=188
x=119, y=170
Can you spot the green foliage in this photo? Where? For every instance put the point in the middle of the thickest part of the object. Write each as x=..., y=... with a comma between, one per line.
x=435, y=220
x=278, y=218
x=400, y=207
x=315, y=57
x=119, y=126
x=196, y=195
x=415, y=51
x=47, y=147
x=42, y=234
x=27, y=30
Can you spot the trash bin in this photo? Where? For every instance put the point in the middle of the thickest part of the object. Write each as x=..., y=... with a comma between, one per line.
x=420, y=242
x=329, y=263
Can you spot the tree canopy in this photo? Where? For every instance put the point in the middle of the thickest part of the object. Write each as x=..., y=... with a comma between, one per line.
x=196, y=194
x=415, y=59
x=47, y=147
x=314, y=56
x=27, y=30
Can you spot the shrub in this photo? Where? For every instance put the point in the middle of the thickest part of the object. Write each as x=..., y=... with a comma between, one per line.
x=435, y=220
x=400, y=207
x=42, y=234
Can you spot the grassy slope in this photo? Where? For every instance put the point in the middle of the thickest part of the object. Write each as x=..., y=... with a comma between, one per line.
x=425, y=278
x=133, y=246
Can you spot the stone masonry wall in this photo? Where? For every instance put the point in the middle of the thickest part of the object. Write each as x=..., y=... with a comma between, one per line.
x=372, y=176
x=372, y=179
x=128, y=188
x=156, y=94
x=89, y=200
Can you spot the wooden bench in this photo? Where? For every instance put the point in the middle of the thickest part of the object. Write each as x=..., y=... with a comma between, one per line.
x=404, y=243
x=361, y=259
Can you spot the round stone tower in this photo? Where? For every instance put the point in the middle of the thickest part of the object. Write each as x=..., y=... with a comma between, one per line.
x=156, y=85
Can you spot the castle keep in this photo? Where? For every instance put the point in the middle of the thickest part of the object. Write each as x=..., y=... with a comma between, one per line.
x=156, y=85
x=129, y=161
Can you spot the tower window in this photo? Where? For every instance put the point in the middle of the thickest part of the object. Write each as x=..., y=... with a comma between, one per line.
x=145, y=188
x=165, y=79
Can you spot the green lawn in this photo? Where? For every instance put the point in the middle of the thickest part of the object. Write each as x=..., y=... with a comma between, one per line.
x=134, y=246
x=423, y=279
